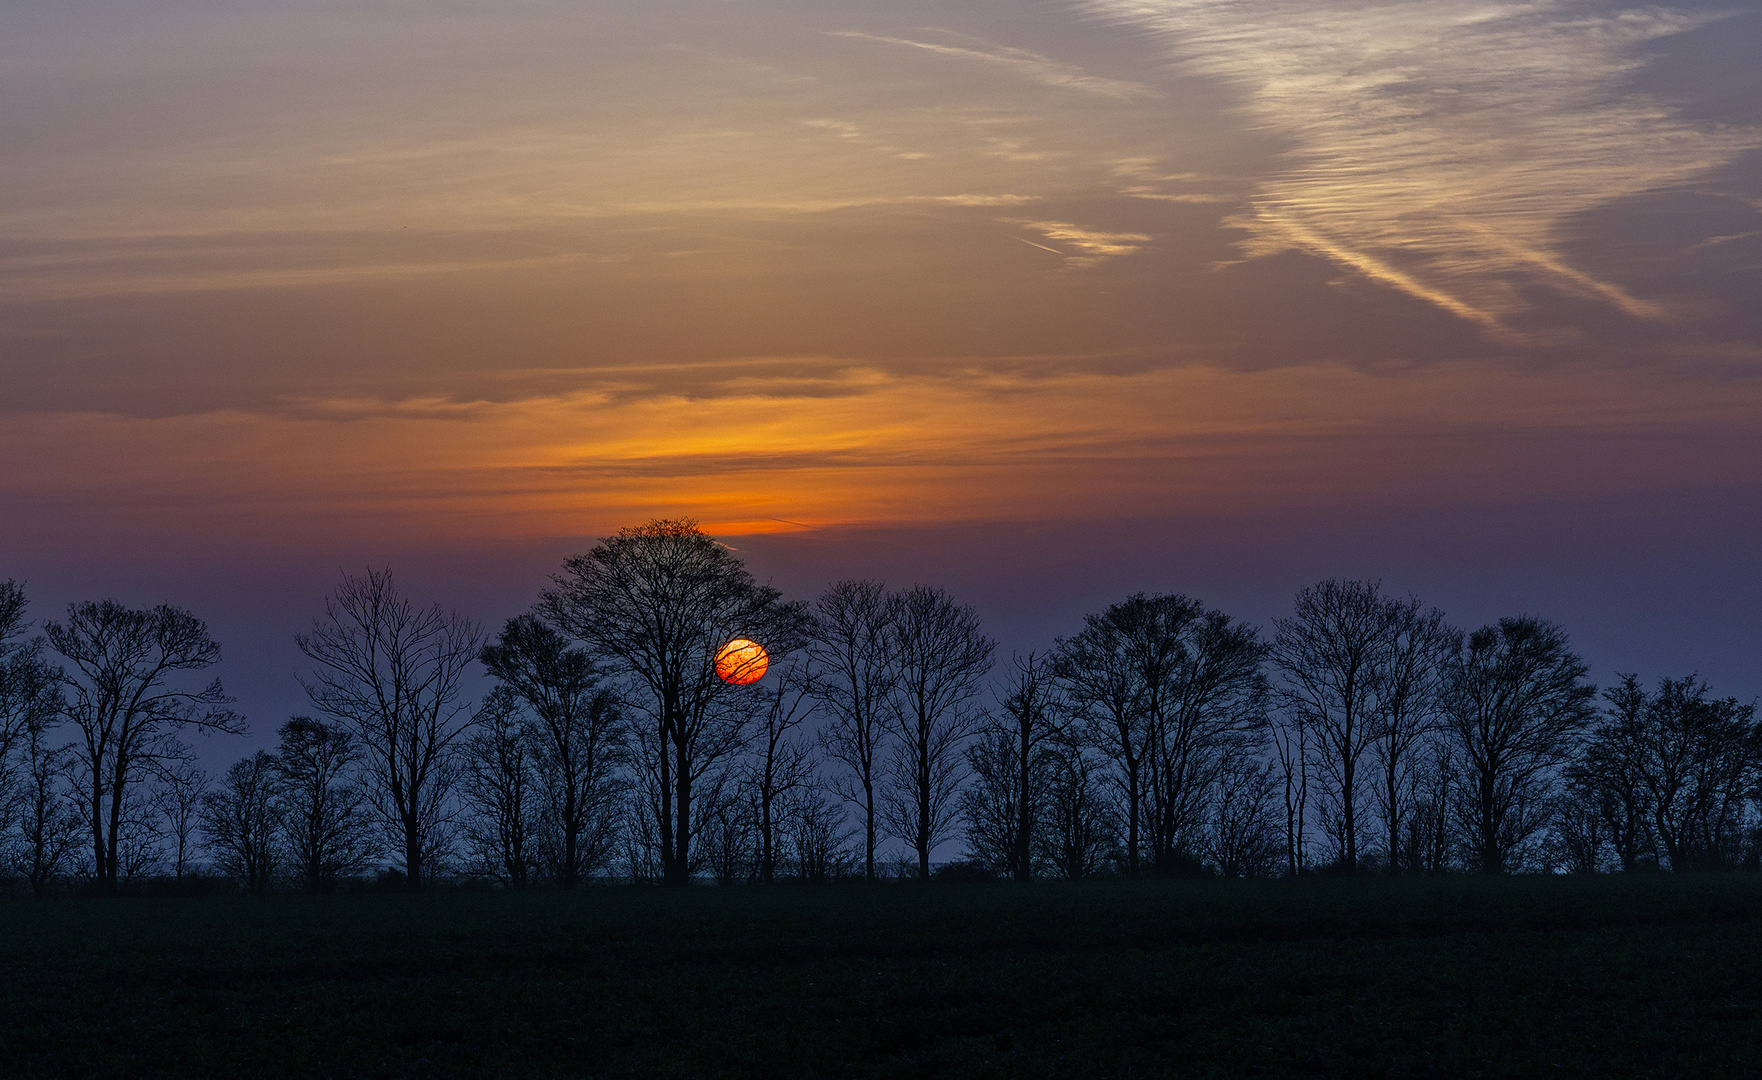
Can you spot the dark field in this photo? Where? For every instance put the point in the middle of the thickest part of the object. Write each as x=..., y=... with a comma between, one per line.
x=1448, y=977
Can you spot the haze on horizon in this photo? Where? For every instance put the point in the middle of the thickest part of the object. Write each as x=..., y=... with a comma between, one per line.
x=1229, y=291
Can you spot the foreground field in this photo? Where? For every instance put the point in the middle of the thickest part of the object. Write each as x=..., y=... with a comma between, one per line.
x=1451, y=977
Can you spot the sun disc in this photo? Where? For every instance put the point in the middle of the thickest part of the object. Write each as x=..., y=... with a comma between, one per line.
x=741, y=662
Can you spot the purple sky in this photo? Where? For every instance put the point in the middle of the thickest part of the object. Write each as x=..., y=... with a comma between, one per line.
x=1043, y=303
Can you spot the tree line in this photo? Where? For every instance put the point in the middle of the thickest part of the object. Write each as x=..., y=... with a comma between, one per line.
x=1362, y=733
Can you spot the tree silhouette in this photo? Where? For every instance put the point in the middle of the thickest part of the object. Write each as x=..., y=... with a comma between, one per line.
x=326, y=813
x=1410, y=683
x=30, y=688
x=782, y=762
x=394, y=676
x=1011, y=765
x=178, y=797
x=852, y=649
x=123, y=698
x=1207, y=698
x=243, y=821
x=1360, y=676
x=1516, y=701
x=1166, y=688
x=941, y=654
x=1609, y=773
x=656, y=602
x=576, y=739
x=1102, y=671
x=1695, y=759
x=497, y=787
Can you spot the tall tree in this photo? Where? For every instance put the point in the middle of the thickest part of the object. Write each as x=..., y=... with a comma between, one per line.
x=1699, y=759
x=394, y=676
x=327, y=815
x=1409, y=702
x=1102, y=671
x=126, y=694
x=1012, y=763
x=1081, y=828
x=1207, y=698
x=942, y=655
x=1243, y=835
x=657, y=602
x=1359, y=671
x=1516, y=701
x=45, y=814
x=1290, y=735
x=30, y=688
x=498, y=783
x=243, y=821
x=852, y=649
x=1165, y=687
x=1610, y=774
x=178, y=797
x=782, y=762
x=576, y=738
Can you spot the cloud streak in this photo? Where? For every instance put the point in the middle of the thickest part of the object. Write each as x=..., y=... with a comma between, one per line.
x=1025, y=63
x=1441, y=146
x=1091, y=247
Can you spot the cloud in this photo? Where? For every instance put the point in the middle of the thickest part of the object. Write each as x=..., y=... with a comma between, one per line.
x=1033, y=66
x=1439, y=146
x=1092, y=247
x=867, y=445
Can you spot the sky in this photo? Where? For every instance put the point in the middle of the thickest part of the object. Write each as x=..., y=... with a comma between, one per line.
x=1040, y=302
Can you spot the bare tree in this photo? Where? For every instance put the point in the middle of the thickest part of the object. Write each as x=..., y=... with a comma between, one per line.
x=656, y=602
x=1429, y=843
x=1102, y=671
x=1080, y=829
x=1360, y=676
x=243, y=822
x=782, y=763
x=497, y=789
x=1610, y=775
x=30, y=688
x=1698, y=762
x=1577, y=834
x=394, y=676
x=1409, y=702
x=1010, y=762
x=576, y=740
x=330, y=831
x=942, y=656
x=852, y=648
x=727, y=837
x=1244, y=836
x=819, y=836
x=1165, y=687
x=1291, y=747
x=123, y=698
x=1207, y=698
x=45, y=813
x=178, y=797
x=1516, y=702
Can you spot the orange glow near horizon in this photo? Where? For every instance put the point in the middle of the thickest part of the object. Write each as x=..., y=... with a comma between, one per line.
x=547, y=272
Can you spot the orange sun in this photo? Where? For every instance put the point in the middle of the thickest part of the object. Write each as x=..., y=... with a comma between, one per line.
x=742, y=661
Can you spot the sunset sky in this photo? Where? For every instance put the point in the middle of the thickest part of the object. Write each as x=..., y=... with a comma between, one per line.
x=1043, y=302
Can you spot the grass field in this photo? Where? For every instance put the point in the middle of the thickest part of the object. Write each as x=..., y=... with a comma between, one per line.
x=1443, y=977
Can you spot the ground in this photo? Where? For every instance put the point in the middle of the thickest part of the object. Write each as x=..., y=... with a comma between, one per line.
x=1610, y=976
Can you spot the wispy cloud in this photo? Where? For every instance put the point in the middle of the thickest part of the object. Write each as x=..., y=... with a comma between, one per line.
x=1033, y=66
x=1083, y=248
x=1440, y=145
